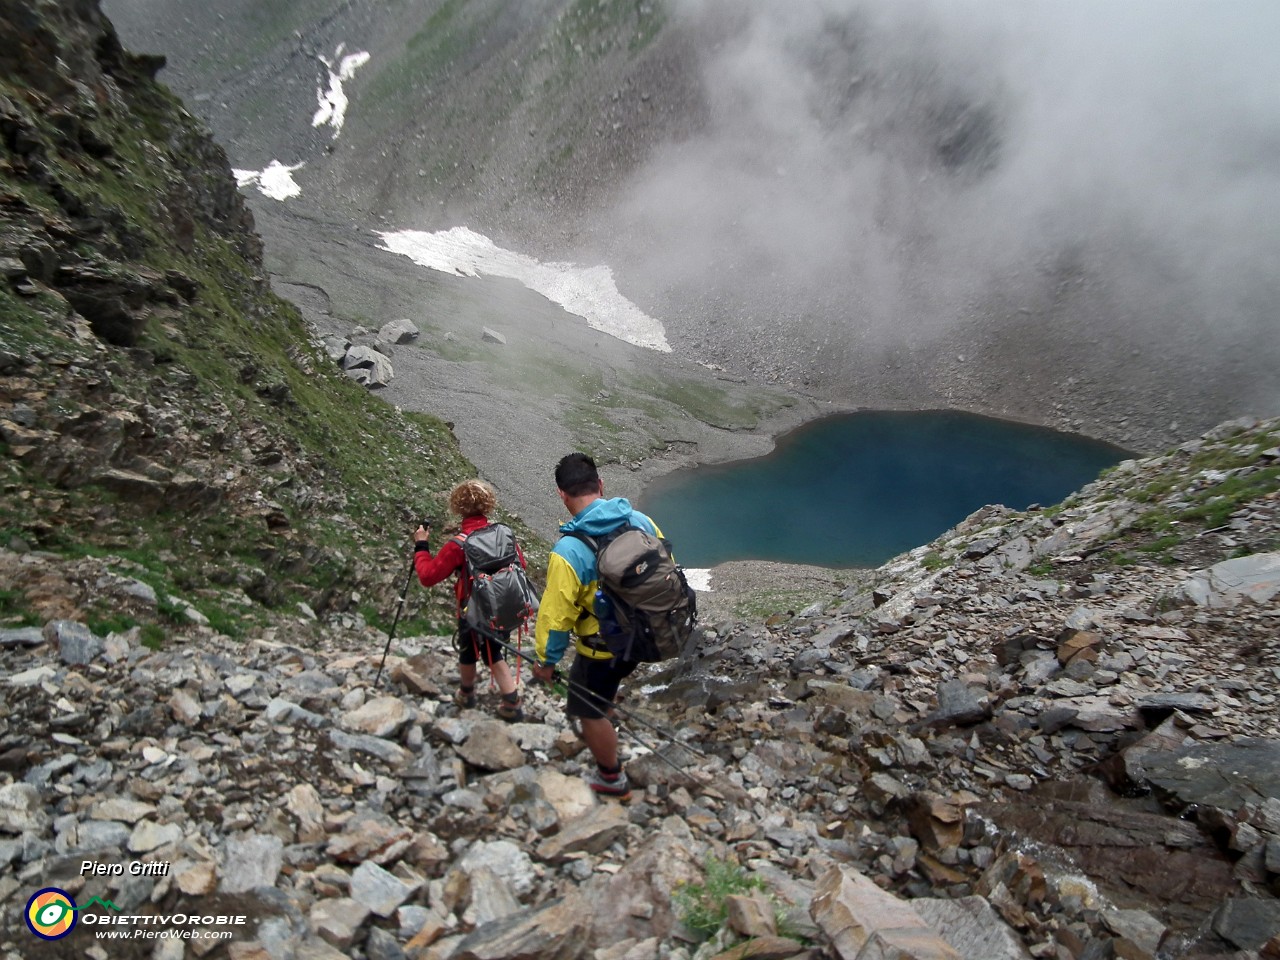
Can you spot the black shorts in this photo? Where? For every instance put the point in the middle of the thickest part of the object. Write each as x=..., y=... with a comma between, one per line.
x=474, y=647
x=599, y=677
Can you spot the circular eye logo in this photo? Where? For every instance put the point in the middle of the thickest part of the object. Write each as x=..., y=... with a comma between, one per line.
x=51, y=913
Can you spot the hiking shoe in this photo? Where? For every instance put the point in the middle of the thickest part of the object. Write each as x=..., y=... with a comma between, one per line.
x=617, y=788
x=510, y=712
x=465, y=698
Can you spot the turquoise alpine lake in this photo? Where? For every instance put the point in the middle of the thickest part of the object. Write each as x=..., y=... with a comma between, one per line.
x=855, y=490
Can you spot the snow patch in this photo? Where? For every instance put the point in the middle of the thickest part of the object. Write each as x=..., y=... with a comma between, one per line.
x=587, y=292
x=276, y=181
x=699, y=578
x=333, y=101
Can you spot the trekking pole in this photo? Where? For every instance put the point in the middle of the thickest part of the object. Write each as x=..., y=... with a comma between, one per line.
x=399, y=609
x=609, y=704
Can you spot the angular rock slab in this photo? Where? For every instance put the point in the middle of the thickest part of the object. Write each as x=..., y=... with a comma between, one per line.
x=861, y=920
x=555, y=931
x=636, y=902
x=1224, y=776
x=973, y=927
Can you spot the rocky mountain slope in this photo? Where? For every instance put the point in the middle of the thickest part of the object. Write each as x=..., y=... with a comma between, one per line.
x=869, y=203
x=1050, y=733
x=1047, y=734
x=157, y=401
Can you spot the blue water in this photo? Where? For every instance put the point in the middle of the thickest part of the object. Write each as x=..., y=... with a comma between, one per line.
x=856, y=489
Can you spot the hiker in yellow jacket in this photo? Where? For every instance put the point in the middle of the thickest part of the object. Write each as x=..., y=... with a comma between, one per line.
x=568, y=610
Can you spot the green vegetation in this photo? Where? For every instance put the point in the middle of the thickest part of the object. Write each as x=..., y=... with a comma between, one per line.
x=933, y=560
x=701, y=906
x=110, y=623
x=152, y=636
x=1040, y=568
x=763, y=604
x=718, y=407
x=15, y=611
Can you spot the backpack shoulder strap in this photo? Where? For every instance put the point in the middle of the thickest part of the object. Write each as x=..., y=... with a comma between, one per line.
x=591, y=542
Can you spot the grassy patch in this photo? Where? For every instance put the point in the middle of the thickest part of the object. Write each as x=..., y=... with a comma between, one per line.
x=1041, y=568
x=762, y=605
x=701, y=906
x=706, y=402
x=110, y=623
x=933, y=560
x=15, y=611
x=153, y=636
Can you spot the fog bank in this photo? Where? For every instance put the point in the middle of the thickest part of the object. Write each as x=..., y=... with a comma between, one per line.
x=896, y=171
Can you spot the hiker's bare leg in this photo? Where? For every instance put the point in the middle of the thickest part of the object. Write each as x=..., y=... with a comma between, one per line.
x=502, y=676
x=467, y=674
x=602, y=741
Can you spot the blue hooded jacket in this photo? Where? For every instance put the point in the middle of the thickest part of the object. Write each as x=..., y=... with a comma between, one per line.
x=568, y=603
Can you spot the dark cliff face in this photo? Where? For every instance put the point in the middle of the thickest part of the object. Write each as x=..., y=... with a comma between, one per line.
x=129, y=174
x=155, y=396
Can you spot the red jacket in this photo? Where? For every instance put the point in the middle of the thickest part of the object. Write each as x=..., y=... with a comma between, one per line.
x=450, y=559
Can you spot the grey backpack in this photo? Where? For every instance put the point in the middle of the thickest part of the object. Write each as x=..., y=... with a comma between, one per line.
x=655, y=608
x=501, y=598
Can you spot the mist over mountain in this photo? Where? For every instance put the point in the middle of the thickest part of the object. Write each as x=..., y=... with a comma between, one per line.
x=1063, y=213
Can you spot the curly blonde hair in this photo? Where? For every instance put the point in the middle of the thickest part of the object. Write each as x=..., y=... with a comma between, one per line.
x=472, y=498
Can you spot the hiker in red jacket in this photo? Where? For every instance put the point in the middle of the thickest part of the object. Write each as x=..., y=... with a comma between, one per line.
x=471, y=500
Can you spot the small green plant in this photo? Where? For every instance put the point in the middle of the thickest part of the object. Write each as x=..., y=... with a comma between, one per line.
x=1041, y=568
x=152, y=636
x=173, y=612
x=225, y=622
x=701, y=906
x=115, y=623
x=933, y=560
x=14, y=611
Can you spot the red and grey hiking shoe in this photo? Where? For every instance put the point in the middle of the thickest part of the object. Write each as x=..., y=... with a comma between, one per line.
x=510, y=711
x=609, y=785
